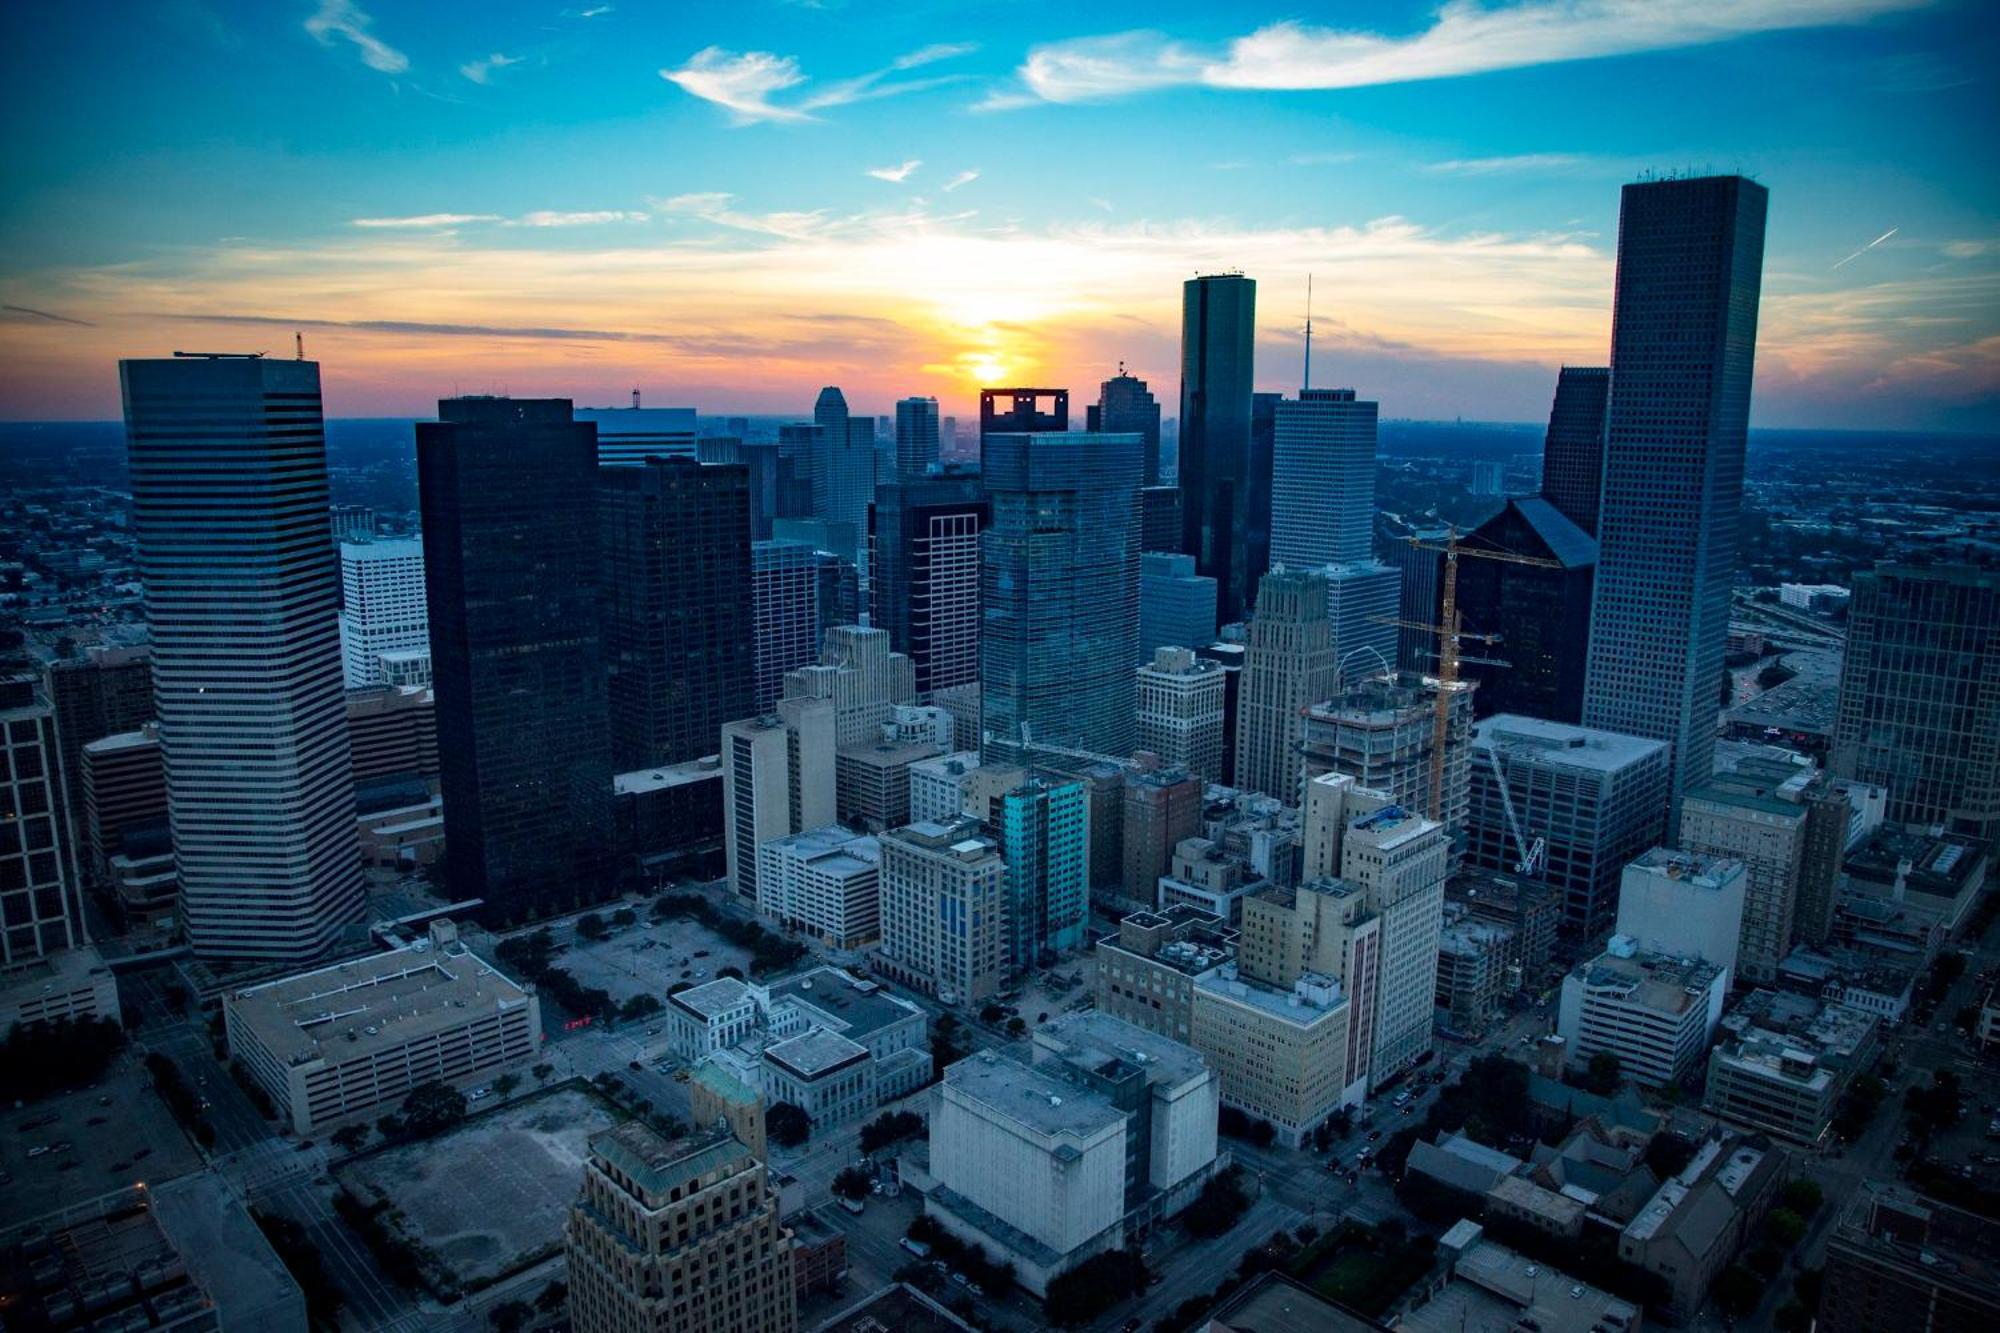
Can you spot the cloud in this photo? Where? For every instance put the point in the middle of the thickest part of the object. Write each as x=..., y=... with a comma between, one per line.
x=1965, y=249
x=744, y=83
x=962, y=178
x=1494, y=166
x=895, y=175
x=345, y=19
x=544, y=218
x=479, y=71
x=29, y=312
x=589, y=12
x=425, y=221
x=1320, y=159
x=714, y=206
x=1464, y=38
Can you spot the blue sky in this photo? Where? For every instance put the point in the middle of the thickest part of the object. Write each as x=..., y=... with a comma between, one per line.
x=732, y=204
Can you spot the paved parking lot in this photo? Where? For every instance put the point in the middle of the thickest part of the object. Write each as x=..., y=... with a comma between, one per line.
x=647, y=958
x=117, y=1132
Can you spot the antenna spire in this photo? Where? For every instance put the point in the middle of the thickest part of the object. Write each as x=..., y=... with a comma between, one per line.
x=298, y=346
x=1308, y=379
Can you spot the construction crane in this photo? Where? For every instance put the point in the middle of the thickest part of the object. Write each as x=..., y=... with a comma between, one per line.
x=1527, y=855
x=1449, y=632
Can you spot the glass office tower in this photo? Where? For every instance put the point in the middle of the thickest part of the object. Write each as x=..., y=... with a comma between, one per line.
x=1218, y=319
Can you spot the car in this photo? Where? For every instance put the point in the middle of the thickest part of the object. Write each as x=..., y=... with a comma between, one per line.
x=478, y=1094
x=961, y=1279
x=701, y=953
x=1374, y=1134
x=851, y=1205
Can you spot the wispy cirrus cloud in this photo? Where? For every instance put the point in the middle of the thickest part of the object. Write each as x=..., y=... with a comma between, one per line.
x=962, y=178
x=538, y=218
x=481, y=70
x=345, y=20
x=745, y=83
x=30, y=313
x=1497, y=166
x=425, y=221
x=895, y=175
x=1464, y=38
x=546, y=218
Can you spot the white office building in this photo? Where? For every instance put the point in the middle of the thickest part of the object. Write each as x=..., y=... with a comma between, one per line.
x=937, y=786
x=825, y=881
x=1181, y=711
x=382, y=611
x=944, y=912
x=778, y=778
x=1684, y=903
x=1657, y=1013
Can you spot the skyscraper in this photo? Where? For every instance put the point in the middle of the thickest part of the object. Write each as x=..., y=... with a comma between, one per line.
x=1684, y=333
x=229, y=503
x=1420, y=595
x=1180, y=711
x=628, y=436
x=1323, y=479
x=843, y=475
x=1045, y=877
x=1541, y=614
x=509, y=490
x=1059, y=591
x=1920, y=693
x=1218, y=319
x=1361, y=601
x=1176, y=605
x=677, y=602
x=38, y=896
x=1125, y=406
x=787, y=616
x=924, y=554
x=1160, y=518
x=1288, y=666
x=1573, y=451
x=916, y=436
x=381, y=606
x=1019, y=412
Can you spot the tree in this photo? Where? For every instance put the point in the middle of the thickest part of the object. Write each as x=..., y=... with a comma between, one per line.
x=890, y=1127
x=504, y=1085
x=542, y=1071
x=1737, y=1290
x=787, y=1124
x=1786, y=1227
x=1221, y=1203
x=852, y=1183
x=1668, y=1154
x=511, y=1316
x=349, y=1137
x=1604, y=1073
x=1094, y=1286
x=1765, y=1261
x=1792, y=1317
x=1017, y=1027
x=37, y=1059
x=431, y=1108
x=729, y=971
x=991, y=1013
x=639, y=1007
x=624, y=917
x=590, y=926
x=552, y=1297
x=1263, y=1133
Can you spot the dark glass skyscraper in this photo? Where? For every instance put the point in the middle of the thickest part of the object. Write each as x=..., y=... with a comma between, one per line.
x=229, y=505
x=1218, y=318
x=1542, y=615
x=843, y=475
x=508, y=488
x=1683, y=337
x=924, y=549
x=1059, y=591
x=1016, y=411
x=916, y=436
x=1125, y=405
x=1573, y=451
x=676, y=607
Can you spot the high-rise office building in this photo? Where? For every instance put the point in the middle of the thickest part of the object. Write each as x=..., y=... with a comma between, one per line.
x=677, y=604
x=1020, y=412
x=107, y=691
x=1180, y=711
x=1573, y=450
x=1361, y=601
x=916, y=436
x=1218, y=325
x=777, y=780
x=628, y=436
x=1176, y=605
x=1288, y=666
x=1160, y=518
x=1323, y=479
x=382, y=607
x=1160, y=807
x=509, y=488
x=680, y=1234
x=787, y=617
x=923, y=538
x=861, y=677
x=1920, y=693
x=1059, y=591
x=1541, y=613
x=38, y=891
x=1257, y=494
x=843, y=474
x=1759, y=814
x=229, y=501
x=1045, y=844
x=944, y=915
x=1595, y=798
x=1684, y=331
x=1489, y=478
x=1126, y=406
x=1420, y=595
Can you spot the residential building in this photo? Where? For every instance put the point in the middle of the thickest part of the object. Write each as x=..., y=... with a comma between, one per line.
x=1783, y=1063
x=676, y=606
x=1541, y=613
x=1696, y=1222
x=1323, y=479
x=1146, y=973
x=777, y=780
x=1573, y=449
x=353, y=1039
x=1380, y=731
x=916, y=436
x=1176, y=605
x=1125, y=406
x=1218, y=320
x=259, y=791
x=681, y=1234
x=1596, y=800
x=382, y=608
x=824, y=881
x=1160, y=808
x=1288, y=666
x=1180, y=711
x=628, y=436
x=924, y=573
x=1896, y=1256
x=1059, y=592
x=937, y=787
x=1689, y=904
x=944, y=910
x=1044, y=839
x=1655, y=1012
x=1684, y=330
x=1920, y=694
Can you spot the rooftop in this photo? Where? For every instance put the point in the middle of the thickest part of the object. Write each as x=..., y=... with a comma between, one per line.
x=365, y=1005
x=901, y=1308
x=1274, y=1303
x=713, y=998
x=658, y=1164
x=1533, y=740
x=1492, y=1287
x=1653, y=981
x=1046, y=1105
x=1696, y=868
x=831, y=850
x=815, y=1053
x=1312, y=999
x=644, y=780
x=1092, y=1040
x=855, y=1007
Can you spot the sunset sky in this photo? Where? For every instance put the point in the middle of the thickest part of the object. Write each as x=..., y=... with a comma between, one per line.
x=729, y=205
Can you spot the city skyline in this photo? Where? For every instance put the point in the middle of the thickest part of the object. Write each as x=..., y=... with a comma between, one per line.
x=729, y=212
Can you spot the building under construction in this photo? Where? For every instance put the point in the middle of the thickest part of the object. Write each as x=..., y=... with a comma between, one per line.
x=1382, y=732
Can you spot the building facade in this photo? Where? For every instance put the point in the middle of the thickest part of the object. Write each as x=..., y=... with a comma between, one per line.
x=1288, y=666
x=1323, y=479
x=1573, y=449
x=1541, y=613
x=924, y=573
x=944, y=910
x=1180, y=712
x=1218, y=320
x=382, y=608
x=825, y=881
x=1125, y=406
x=777, y=779
x=39, y=904
x=1176, y=605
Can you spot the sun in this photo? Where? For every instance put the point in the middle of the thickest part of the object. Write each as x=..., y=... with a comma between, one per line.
x=986, y=370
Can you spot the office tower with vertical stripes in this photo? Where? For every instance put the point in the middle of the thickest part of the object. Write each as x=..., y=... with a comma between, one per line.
x=1323, y=479
x=1288, y=666
x=916, y=436
x=1683, y=339
x=229, y=505
x=923, y=537
x=382, y=606
x=1218, y=326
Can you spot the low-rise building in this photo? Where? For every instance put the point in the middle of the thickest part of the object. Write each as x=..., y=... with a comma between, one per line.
x=819, y=1252
x=937, y=787
x=1485, y=1285
x=1654, y=1012
x=825, y=881
x=1696, y=1222
x=1146, y=973
x=669, y=818
x=872, y=781
x=704, y=1019
x=1899, y=1260
x=69, y=985
x=1872, y=982
x=1934, y=878
x=1784, y=1062
x=1206, y=877
x=354, y=1037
